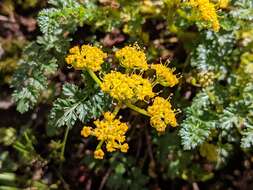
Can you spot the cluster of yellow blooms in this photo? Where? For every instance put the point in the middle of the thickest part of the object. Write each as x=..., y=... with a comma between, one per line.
x=109, y=130
x=207, y=11
x=127, y=87
x=223, y=4
x=161, y=114
x=86, y=57
x=132, y=57
x=165, y=75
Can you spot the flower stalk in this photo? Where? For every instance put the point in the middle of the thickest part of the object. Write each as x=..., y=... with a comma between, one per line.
x=64, y=143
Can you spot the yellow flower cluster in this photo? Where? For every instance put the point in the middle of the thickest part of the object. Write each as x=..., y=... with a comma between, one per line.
x=207, y=11
x=165, y=75
x=127, y=87
x=161, y=114
x=132, y=57
x=223, y=4
x=109, y=130
x=86, y=57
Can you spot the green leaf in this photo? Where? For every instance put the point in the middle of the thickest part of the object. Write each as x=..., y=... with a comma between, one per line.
x=77, y=104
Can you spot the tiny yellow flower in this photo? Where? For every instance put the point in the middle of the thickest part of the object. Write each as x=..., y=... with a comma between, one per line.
x=109, y=116
x=165, y=75
x=99, y=154
x=132, y=57
x=124, y=147
x=86, y=57
x=86, y=131
x=207, y=11
x=158, y=123
x=161, y=114
x=110, y=147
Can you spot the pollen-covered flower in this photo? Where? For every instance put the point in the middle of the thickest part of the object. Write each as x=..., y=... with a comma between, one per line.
x=86, y=131
x=109, y=131
x=124, y=147
x=161, y=114
x=165, y=75
x=127, y=87
x=86, y=57
x=223, y=4
x=207, y=11
x=132, y=57
x=118, y=85
x=99, y=154
x=143, y=87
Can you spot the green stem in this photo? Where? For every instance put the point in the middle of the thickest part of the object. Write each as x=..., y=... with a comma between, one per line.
x=116, y=109
x=99, y=145
x=155, y=83
x=94, y=76
x=137, y=109
x=64, y=143
x=18, y=146
x=6, y=176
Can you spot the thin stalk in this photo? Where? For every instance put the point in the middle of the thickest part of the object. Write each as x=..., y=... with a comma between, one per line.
x=137, y=109
x=116, y=109
x=20, y=145
x=64, y=143
x=94, y=76
x=99, y=145
x=27, y=138
x=20, y=148
x=7, y=176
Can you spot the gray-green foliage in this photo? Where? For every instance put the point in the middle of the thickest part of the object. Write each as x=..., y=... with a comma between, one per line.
x=225, y=114
x=31, y=77
x=42, y=57
x=213, y=51
x=244, y=10
x=197, y=126
x=78, y=104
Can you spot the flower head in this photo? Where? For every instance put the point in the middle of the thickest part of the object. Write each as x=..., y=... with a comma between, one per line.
x=223, y=4
x=142, y=87
x=127, y=87
x=207, y=11
x=86, y=57
x=86, y=131
x=109, y=130
x=165, y=75
x=161, y=114
x=124, y=147
x=132, y=57
x=99, y=154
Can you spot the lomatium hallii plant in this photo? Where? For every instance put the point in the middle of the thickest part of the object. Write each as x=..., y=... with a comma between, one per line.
x=127, y=85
